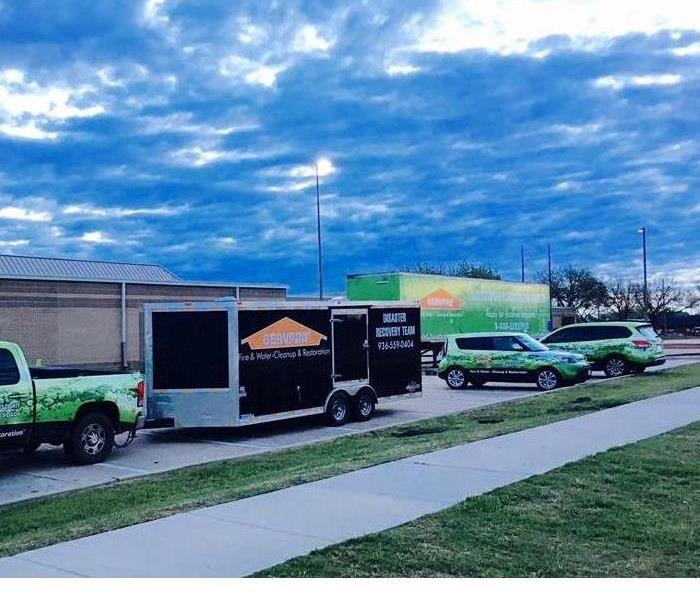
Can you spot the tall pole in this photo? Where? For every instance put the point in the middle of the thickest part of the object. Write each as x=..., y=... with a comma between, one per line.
x=318, y=229
x=643, y=231
x=522, y=263
x=549, y=279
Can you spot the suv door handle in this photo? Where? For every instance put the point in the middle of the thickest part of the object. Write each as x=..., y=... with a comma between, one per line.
x=16, y=396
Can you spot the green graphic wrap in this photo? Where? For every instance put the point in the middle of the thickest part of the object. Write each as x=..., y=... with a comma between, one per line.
x=60, y=399
x=569, y=366
x=458, y=305
x=597, y=352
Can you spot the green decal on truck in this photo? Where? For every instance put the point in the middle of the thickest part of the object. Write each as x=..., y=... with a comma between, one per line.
x=460, y=305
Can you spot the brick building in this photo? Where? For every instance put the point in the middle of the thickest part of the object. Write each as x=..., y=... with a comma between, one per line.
x=86, y=313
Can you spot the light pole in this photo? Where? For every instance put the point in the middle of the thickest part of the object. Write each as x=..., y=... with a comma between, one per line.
x=318, y=230
x=522, y=263
x=643, y=231
x=549, y=279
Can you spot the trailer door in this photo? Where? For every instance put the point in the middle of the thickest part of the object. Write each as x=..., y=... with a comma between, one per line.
x=350, y=347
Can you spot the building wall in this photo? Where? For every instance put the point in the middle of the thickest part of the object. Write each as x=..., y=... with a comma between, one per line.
x=79, y=323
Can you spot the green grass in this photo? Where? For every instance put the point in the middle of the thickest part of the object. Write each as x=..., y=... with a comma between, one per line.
x=48, y=520
x=629, y=512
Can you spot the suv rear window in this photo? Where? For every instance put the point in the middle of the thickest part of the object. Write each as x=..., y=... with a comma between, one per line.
x=474, y=343
x=610, y=332
x=648, y=332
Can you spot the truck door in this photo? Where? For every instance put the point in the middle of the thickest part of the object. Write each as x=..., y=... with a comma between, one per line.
x=350, y=347
x=16, y=399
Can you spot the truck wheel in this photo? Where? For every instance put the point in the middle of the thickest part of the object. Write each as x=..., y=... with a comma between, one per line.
x=363, y=405
x=456, y=378
x=91, y=439
x=615, y=366
x=548, y=379
x=338, y=409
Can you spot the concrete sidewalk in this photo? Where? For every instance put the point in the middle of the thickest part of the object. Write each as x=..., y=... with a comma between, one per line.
x=242, y=537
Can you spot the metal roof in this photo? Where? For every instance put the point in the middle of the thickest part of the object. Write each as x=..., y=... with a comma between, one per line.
x=36, y=267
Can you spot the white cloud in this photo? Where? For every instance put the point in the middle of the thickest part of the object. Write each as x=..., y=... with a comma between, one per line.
x=308, y=40
x=17, y=213
x=401, y=69
x=690, y=50
x=13, y=243
x=252, y=72
x=198, y=156
x=32, y=111
x=96, y=237
x=619, y=82
x=85, y=210
x=506, y=27
x=325, y=167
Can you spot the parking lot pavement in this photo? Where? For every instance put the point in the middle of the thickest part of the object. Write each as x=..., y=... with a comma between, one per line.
x=154, y=451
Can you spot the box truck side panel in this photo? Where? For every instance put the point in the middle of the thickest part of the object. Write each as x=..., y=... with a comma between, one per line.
x=394, y=350
x=373, y=287
x=284, y=360
x=461, y=305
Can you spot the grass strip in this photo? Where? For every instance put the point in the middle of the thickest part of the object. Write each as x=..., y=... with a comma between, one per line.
x=48, y=520
x=629, y=512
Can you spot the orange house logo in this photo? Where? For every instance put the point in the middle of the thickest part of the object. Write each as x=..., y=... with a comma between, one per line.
x=285, y=333
x=440, y=299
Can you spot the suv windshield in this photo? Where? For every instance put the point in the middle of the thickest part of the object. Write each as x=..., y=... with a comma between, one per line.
x=531, y=344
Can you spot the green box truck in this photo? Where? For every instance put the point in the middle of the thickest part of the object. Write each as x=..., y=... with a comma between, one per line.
x=452, y=305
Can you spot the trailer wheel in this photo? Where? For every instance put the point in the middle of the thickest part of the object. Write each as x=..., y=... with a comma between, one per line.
x=91, y=439
x=338, y=409
x=363, y=405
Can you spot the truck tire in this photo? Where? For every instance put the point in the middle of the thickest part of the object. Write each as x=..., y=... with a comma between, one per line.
x=456, y=378
x=363, y=405
x=615, y=366
x=338, y=409
x=548, y=379
x=90, y=440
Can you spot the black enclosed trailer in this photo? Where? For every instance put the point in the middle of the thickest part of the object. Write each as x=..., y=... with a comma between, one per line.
x=228, y=363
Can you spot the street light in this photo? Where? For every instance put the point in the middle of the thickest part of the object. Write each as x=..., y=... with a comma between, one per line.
x=325, y=166
x=643, y=231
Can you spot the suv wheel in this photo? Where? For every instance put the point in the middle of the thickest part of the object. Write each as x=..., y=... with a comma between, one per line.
x=91, y=439
x=615, y=366
x=548, y=379
x=456, y=378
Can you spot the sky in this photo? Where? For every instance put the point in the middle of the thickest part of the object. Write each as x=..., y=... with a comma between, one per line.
x=187, y=134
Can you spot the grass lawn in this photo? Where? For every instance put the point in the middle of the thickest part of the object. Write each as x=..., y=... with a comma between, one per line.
x=629, y=512
x=48, y=520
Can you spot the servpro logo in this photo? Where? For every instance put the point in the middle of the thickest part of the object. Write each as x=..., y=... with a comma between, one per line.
x=440, y=299
x=285, y=333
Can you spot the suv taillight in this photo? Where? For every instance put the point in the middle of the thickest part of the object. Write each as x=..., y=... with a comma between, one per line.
x=140, y=393
x=641, y=343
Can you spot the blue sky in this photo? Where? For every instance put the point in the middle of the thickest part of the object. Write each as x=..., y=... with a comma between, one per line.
x=185, y=133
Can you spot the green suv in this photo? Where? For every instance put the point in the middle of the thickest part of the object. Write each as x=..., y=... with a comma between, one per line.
x=480, y=357
x=616, y=347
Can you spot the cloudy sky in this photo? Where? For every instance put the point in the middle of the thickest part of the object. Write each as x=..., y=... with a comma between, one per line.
x=185, y=133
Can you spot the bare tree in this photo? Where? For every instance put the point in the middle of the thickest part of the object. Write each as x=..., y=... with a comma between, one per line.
x=459, y=269
x=663, y=296
x=623, y=298
x=577, y=288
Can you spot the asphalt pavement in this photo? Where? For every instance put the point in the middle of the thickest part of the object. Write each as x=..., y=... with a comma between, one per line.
x=48, y=471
